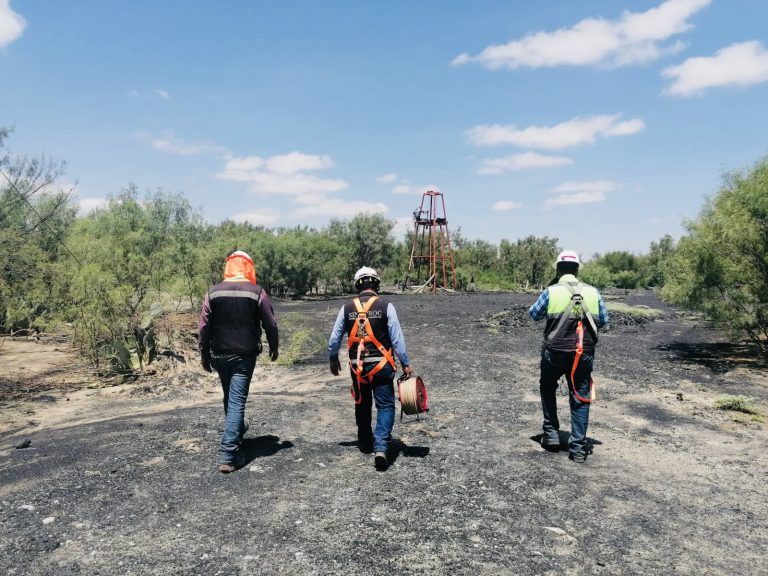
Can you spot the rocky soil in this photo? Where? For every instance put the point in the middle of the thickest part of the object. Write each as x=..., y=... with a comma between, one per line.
x=123, y=480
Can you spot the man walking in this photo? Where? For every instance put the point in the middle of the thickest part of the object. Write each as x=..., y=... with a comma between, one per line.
x=373, y=333
x=570, y=336
x=233, y=315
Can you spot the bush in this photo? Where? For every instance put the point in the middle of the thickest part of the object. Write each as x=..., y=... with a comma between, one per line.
x=735, y=404
x=721, y=266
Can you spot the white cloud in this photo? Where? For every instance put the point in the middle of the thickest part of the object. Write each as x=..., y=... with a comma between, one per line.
x=291, y=184
x=337, y=207
x=406, y=188
x=740, y=64
x=170, y=143
x=576, y=198
x=517, y=162
x=151, y=94
x=387, y=178
x=12, y=25
x=88, y=205
x=260, y=217
x=635, y=38
x=239, y=168
x=282, y=174
x=586, y=186
x=403, y=225
x=294, y=162
x=575, y=132
x=583, y=192
x=505, y=205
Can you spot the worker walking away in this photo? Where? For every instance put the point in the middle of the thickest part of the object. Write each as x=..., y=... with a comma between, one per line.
x=233, y=315
x=374, y=337
x=574, y=311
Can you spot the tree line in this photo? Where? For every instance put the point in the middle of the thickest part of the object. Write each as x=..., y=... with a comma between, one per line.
x=110, y=274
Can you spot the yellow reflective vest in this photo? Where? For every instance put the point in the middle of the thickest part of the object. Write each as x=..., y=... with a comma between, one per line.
x=560, y=296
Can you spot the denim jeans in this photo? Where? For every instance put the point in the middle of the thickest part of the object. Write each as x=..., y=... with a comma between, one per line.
x=553, y=365
x=382, y=392
x=235, y=373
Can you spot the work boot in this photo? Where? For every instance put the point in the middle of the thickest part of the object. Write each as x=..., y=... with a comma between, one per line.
x=550, y=443
x=380, y=461
x=365, y=442
x=229, y=467
x=578, y=457
x=365, y=447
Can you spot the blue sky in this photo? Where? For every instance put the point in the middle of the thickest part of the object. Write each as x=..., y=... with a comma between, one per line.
x=602, y=123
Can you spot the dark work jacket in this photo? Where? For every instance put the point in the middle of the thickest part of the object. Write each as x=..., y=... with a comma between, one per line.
x=233, y=316
x=378, y=318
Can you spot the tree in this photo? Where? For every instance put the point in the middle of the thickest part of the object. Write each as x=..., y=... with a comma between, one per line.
x=366, y=240
x=721, y=266
x=658, y=260
x=528, y=262
x=131, y=261
x=595, y=274
x=35, y=215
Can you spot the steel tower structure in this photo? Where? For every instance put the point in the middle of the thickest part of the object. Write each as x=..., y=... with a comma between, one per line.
x=431, y=265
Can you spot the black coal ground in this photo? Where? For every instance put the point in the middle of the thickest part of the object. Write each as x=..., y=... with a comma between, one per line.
x=672, y=487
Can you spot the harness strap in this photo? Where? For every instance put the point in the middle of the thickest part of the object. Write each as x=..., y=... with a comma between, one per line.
x=576, y=358
x=361, y=334
x=575, y=298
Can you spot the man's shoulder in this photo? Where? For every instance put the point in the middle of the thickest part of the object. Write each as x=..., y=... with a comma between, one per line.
x=229, y=286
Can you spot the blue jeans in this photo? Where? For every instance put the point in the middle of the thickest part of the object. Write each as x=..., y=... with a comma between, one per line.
x=554, y=364
x=235, y=373
x=382, y=391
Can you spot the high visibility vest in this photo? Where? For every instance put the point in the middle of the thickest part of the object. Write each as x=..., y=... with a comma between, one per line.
x=560, y=298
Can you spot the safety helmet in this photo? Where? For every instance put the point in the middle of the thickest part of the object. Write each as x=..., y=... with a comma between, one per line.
x=567, y=256
x=238, y=265
x=366, y=273
x=241, y=254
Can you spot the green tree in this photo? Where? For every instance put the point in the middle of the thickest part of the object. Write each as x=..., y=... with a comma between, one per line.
x=528, y=261
x=365, y=240
x=131, y=261
x=35, y=215
x=658, y=261
x=721, y=266
x=595, y=274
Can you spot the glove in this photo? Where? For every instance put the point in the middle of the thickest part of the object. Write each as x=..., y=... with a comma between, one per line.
x=273, y=354
x=407, y=371
x=206, y=363
x=335, y=366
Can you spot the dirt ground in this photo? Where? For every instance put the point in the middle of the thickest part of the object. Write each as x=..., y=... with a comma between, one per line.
x=123, y=479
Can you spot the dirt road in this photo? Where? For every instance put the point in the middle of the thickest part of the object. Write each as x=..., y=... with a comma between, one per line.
x=123, y=480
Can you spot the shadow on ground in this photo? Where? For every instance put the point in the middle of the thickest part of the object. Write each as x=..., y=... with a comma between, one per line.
x=564, y=437
x=719, y=357
x=263, y=446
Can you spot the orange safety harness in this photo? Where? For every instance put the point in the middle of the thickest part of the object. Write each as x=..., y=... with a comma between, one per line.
x=576, y=358
x=361, y=334
x=577, y=303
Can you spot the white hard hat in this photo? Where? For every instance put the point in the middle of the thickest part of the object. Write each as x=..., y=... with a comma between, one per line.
x=366, y=272
x=567, y=256
x=240, y=253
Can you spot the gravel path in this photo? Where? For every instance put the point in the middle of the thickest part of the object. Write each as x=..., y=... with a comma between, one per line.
x=673, y=486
